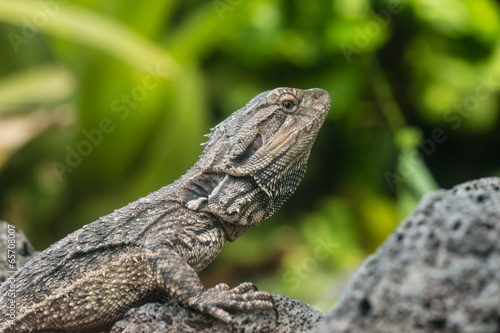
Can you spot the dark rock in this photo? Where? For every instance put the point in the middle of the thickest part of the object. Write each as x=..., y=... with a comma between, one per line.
x=294, y=316
x=438, y=272
x=18, y=245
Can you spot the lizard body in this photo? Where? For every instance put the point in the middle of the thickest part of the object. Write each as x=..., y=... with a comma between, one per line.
x=252, y=163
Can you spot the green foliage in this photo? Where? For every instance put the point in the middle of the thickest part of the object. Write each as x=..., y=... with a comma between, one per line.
x=103, y=102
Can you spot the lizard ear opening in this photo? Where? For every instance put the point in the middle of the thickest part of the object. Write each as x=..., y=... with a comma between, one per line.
x=251, y=149
x=256, y=144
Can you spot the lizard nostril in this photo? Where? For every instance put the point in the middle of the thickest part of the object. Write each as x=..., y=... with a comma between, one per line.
x=316, y=95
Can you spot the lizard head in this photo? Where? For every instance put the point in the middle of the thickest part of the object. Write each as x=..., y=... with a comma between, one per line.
x=261, y=151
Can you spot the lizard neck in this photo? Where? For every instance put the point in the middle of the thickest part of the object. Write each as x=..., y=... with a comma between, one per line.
x=236, y=202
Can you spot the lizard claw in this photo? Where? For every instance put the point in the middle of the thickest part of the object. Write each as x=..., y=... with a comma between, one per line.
x=219, y=300
x=222, y=287
x=244, y=288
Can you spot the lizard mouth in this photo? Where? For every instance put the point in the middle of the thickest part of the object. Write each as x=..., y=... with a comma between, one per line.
x=285, y=138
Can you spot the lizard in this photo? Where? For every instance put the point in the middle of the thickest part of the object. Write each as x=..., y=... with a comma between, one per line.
x=251, y=164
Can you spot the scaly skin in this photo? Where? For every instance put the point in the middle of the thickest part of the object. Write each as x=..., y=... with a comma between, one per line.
x=251, y=164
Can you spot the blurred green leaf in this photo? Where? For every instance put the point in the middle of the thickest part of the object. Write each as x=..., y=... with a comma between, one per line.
x=38, y=85
x=84, y=26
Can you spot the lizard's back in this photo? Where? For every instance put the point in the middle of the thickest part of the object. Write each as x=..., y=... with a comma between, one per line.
x=104, y=251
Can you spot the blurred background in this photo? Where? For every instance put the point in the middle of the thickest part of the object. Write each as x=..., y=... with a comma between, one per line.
x=102, y=102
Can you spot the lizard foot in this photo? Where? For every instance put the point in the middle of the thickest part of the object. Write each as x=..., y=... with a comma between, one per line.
x=217, y=301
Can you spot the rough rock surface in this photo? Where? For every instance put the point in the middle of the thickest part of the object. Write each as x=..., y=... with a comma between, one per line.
x=294, y=316
x=23, y=249
x=438, y=272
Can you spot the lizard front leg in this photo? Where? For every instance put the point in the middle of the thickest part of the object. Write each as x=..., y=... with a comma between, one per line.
x=173, y=273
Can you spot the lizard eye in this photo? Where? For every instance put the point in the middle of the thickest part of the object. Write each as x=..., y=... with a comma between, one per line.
x=287, y=105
